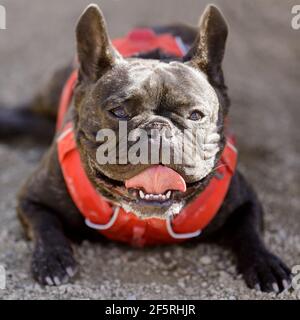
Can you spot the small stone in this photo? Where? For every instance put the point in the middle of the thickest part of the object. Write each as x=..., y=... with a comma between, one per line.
x=205, y=260
x=189, y=291
x=181, y=283
x=147, y=272
x=223, y=275
x=167, y=255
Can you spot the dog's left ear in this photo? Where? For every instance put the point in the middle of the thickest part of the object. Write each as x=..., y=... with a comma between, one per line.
x=208, y=49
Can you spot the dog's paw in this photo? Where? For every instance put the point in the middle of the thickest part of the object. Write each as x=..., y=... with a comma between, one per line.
x=266, y=272
x=53, y=265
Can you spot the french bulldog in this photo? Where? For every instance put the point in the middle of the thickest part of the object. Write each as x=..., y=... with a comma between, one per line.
x=148, y=90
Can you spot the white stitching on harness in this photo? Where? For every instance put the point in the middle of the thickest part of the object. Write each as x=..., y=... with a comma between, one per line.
x=106, y=226
x=180, y=235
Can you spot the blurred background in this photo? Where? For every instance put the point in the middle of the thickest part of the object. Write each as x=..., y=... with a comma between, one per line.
x=263, y=75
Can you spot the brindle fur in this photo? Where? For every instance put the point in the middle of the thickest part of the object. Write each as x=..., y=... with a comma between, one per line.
x=45, y=207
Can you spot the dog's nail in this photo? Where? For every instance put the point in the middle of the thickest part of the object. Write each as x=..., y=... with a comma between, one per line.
x=286, y=284
x=275, y=287
x=257, y=287
x=65, y=279
x=57, y=281
x=49, y=281
x=70, y=271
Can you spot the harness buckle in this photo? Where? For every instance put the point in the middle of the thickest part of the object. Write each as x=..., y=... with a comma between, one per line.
x=107, y=225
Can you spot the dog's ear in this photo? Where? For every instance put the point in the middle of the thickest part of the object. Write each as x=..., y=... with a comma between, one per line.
x=208, y=49
x=96, y=54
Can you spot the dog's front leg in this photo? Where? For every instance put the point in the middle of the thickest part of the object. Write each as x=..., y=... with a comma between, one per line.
x=260, y=268
x=52, y=262
x=46, y=211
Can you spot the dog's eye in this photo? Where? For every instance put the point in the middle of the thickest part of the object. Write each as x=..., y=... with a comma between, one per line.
x=120, y=113
x=196, y=115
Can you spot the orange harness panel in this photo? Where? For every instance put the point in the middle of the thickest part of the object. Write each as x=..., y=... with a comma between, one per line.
x=114, y=222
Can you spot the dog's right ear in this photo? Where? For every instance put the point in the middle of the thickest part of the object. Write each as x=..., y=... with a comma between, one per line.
x=96, y=54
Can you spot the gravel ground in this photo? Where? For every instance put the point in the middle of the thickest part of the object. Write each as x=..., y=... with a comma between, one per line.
x=263, y=74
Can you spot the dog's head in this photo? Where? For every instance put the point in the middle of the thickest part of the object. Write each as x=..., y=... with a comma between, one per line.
x=126, y=108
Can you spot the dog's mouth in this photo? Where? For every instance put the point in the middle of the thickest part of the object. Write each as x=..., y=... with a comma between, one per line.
x=156, y=185
x=151, y=192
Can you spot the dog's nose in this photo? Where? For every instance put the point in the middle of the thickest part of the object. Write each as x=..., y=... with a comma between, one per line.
x=157, y=130
x=161, y=126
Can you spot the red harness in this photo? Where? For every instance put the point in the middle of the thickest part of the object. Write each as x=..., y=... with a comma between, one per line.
x=114, y=222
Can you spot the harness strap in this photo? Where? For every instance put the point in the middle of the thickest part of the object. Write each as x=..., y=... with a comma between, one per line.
x=145, y=40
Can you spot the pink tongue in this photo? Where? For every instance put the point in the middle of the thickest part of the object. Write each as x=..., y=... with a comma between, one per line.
x=157, y=179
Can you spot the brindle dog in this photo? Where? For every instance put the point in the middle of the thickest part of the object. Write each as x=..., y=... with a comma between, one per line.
x=149, y=90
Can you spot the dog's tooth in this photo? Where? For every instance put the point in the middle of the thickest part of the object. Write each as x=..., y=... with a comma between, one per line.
x=141, y=194
x=147, y=196
x=168, y=194
x=163, y=197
